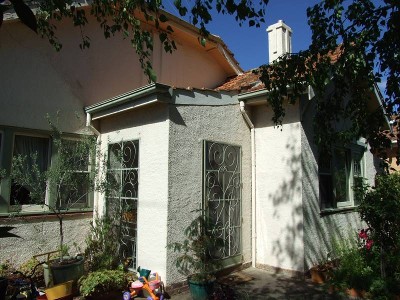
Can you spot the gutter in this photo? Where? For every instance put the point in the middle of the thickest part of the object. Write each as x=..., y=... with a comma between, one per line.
x=127, y=101
x=253, y=183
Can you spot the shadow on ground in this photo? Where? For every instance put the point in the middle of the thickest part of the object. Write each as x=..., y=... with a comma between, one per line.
x=265, y=285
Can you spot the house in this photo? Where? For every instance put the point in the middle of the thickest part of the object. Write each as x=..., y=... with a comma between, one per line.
x=190, y=141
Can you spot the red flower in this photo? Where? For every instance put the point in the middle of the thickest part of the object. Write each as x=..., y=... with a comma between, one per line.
x=363, y=234
x=369, y=244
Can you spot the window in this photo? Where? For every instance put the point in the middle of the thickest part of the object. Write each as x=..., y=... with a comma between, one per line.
x=1, y=144
x=75, y=168
x=122, y=196
x=339, y=173
x=222, y=195
x=30, y=152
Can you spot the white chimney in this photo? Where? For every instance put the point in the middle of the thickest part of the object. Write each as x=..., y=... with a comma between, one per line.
x=279, y=40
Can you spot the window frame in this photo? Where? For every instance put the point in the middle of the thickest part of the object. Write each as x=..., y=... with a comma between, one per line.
x=355, y=149
x=8, y=134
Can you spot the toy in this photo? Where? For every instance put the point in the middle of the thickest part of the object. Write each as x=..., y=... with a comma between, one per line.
x=151, y=289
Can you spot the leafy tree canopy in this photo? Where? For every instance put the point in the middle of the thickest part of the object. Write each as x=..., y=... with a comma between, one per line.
x=355, y=45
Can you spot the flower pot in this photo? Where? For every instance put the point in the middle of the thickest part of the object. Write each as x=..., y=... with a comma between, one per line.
x=56, y=272
x=355, y=293
x=110, y=295
x=3, y=287
x=317, y=275
x=60, y=291
x=201, y=290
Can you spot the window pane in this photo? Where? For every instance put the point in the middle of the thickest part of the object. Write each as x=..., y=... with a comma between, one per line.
x=326, y=191
x=74, y=163
x=1, y=140
x=222, y=192
x=341, y=175
x=33, y=156
x=357, y=178
x=75, y=194
x=325, y=181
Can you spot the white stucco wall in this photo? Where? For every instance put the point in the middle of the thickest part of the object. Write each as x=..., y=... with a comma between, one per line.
x=279, y=213
x=40, y=234
x=37, y=80
x=149, y=125
x=189, y=126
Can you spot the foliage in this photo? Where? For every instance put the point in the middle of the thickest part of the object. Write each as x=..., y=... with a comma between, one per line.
x=354, y=46
x=99, y=282
x=196, y=253
x=66, y=186
x=6, y=268
x=373, y=263
x=28, y=267
x=130, y=19
x=352, y=270
x=101, y=246
x=380, y=208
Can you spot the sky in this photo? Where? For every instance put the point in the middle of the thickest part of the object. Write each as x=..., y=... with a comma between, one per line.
x=250, y=44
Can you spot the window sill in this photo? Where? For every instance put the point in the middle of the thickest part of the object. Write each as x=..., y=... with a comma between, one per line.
x=45, y=215
x=331, y=211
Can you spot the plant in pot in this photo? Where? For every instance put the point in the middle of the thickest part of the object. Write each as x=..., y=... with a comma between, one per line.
x=106, y=277
x=197, y=257
x=56, y=188
x=103, y=284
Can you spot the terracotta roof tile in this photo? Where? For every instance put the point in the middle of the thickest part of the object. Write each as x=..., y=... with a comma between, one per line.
x=249, y=81
x=245, y=82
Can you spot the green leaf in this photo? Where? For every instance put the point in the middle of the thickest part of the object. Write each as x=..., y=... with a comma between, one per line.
x=163, y=18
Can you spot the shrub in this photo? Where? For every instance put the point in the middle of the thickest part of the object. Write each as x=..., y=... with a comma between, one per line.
x=380, y=209
x=100, y=282
x=352, y=270
x=101, y=246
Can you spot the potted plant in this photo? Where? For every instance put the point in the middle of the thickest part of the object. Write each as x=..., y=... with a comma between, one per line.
x=103, y=284
x=198, y=259
x=67, y=181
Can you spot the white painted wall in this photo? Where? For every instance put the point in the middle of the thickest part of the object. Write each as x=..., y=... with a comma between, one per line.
x=189, y=126
x=37, y=80
x=279, y=211
x=40, y=234
x=150, y=126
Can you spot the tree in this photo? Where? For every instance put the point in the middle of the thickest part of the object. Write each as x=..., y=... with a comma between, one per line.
x=126, y=17
x=355, y=44
x=74, y=172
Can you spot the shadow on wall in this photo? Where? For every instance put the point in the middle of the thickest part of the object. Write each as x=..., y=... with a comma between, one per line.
x=321, y=232
x=287, y=208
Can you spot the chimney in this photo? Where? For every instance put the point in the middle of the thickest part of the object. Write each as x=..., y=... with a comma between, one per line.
x=279, y=40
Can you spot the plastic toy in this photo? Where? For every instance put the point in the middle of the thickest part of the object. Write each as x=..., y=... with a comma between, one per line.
x=152, y=289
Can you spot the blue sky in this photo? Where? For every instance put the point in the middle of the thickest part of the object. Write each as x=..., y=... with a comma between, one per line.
x=250, y=44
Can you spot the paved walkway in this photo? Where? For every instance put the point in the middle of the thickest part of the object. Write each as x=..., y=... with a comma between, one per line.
x=260, y=284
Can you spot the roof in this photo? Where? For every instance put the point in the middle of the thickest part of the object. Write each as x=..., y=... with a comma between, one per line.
x=245, y=82
x=250, y=80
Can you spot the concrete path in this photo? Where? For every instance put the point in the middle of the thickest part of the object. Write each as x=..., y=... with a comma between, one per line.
x=260, y=284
